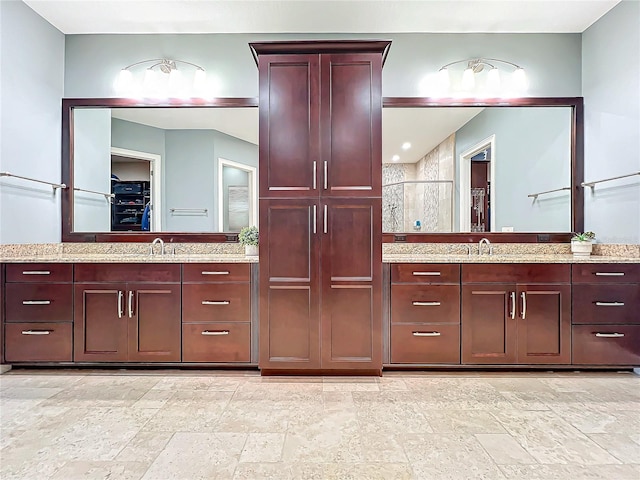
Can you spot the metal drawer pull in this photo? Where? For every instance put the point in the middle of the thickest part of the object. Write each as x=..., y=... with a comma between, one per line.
x=213, y=302
x=314, y=174
x=426, y=334
x=610, y=304
x=426, y=304
x=326, y=221
x=326, y=174
x=36, y=302
x=130, y=304
x=523, y=295
x=215, y=332
x=431, y=274
x=36, y=332
x=610, y=335
x=37, y=272
x=315, y=218
x=215, y=273
x=120, y=311
x=513, y=305
x=609, y=274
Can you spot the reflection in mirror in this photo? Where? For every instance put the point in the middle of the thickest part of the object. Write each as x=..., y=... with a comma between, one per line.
x=476, y=169
x=156, y=169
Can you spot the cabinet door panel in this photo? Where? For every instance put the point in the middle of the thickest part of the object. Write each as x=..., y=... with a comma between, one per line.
x=39, y=302
x=606, y=345
x=39, y=342
x=544, y=324
x=425, y=343
x=154, y=325
x=488, y=331
x=351, y=116
x=216, y=342
x=216, y=272
x=606, y=303
x=100, y=323
x=217, y=302
x=289, y=132
x=425, y=304
x=605, y=273
x=39, y=272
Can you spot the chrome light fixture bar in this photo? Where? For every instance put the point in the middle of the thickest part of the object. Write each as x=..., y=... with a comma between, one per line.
x=474, y=66
x=161, y=78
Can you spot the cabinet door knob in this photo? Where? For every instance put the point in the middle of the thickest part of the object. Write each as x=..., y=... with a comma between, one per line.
x=215, y=332
x=426, y=304
x=36, y=302
x=36, y=332
x=216, y=302
x=609, y=335
x=426, y=334
x=610, y=304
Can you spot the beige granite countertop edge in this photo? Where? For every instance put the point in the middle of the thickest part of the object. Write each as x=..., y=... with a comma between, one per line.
x=130, y=258
x=519, y=258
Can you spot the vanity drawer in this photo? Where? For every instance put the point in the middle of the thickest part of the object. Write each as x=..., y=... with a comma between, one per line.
x=127, y=272
x=216, y=272
x=38, y=342
x=516, y=273
x=216, y=342
x=425, y=273
x=44, y=302
x=425, y=304
x=425, y=343
x=606, y=345
x=223, y=302
x=39, y=272
x=606, y=303
x=606, y=273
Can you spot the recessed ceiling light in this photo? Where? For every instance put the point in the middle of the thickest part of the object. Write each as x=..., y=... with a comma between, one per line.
x=395, y=158
x=406, y=145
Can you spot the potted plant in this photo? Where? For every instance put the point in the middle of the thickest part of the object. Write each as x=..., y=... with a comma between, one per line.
x=248, y=237
x=582, y=243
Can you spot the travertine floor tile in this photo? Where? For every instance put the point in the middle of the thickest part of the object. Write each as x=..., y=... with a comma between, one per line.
x=262, y=448
x=504, y=449
x=570, y=472
x=463, y=421
x=101, y=470
x=620, y=446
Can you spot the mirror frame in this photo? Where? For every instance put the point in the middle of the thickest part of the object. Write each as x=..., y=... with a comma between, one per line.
x=577, y=169
x=68, y=106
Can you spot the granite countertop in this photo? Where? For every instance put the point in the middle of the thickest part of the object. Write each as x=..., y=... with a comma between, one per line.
x=514, y=258
x=129, y=258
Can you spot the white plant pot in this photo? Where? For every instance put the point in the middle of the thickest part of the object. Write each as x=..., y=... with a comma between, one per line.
x=251, y=250
x=581, y=249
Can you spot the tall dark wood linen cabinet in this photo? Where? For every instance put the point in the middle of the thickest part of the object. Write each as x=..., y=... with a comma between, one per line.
x=321, y=206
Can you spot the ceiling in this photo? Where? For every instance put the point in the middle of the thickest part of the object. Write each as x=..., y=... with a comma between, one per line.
x=326, y=16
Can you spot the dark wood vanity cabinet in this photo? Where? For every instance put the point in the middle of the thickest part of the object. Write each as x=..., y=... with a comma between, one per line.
x=516, y=314
x=216, y=313
x=320, y=205
x=127, y=313
x=425, y=314
x=606, y=314
x=38, y=312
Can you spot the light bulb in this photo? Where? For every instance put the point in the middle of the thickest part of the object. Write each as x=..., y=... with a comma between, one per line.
x=493, y=80
x=395, y=158
x=199, y=81
x=520, y=82
x=468, y=79
x=150, y=82
x=406, y=145
x=443, y=79
x=175, y=83
x=124, y=81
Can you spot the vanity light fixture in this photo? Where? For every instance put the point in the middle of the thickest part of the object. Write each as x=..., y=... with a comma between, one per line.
x=493, y=83
x=161, y=78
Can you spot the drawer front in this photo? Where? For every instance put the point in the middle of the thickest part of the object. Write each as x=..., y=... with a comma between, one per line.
x=425, y=304
x=38, y=342
x=516, y=273
x=425, y=273
x=127, y=272
x=606, y=345
x=425, y=343
x=216, y=272
x=33, y=302
x=606, y=273
x=39, y=272
x=606, y=303
x=216, y=302
x=216, y=342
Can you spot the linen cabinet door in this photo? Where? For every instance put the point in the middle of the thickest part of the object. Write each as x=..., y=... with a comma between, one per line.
x=154, y=318
x=489, y=330
x=100, y=322
x=544, y=324
x=351, y=119
x=351, y=284
x=289, y=285
x=289, y=125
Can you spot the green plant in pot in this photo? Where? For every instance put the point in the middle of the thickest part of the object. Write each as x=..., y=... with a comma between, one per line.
x=249, y=237
x=582, y=243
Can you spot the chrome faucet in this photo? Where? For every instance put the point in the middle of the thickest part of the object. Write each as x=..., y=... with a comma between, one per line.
x=156, y=240
x=485, y=240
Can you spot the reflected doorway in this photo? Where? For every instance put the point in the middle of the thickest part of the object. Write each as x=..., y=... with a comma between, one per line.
x=237, y=195
x=477, y=181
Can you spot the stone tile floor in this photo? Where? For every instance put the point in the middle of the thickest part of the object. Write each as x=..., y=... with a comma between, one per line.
x=132, y=424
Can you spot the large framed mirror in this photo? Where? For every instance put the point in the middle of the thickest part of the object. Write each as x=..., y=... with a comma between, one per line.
x=509, y=170
x=183, y=171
